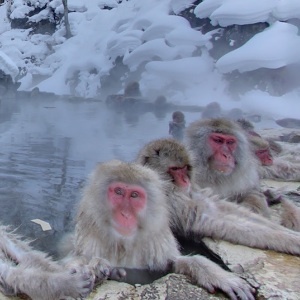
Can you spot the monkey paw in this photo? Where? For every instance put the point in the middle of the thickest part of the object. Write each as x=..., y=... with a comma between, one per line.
x=81, y=281
x=7, y=290
x=101, y=268
x=117, y=274
x=235, y=287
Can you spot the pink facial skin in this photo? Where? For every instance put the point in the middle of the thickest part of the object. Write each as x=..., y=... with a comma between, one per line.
x=126, y=202
x=223, y=147
x=180, y=176
x=265, y=157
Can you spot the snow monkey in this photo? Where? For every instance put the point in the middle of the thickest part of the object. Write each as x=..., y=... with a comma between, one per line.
x=225, y=162
x=27, y=271
x=177, y=125
x=274, y=163
x=123, y=217
x=277, y=167
x=199, y=212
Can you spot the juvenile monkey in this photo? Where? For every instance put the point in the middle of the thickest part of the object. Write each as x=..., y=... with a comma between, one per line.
x=199, y=212
x=116, y=222
x=224, y=162
x=177, y=125
x=27, y=271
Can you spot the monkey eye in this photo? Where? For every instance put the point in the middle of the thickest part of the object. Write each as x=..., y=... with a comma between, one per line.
x=118, y=191
x=230, y=142
x=134, y=194
x=174, y=168
x=261, y=152
x=218, y=141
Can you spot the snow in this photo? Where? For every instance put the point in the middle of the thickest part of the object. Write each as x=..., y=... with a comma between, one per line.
x=8, y=66
x=159, y=48
x=275, y=47
x=230, y=12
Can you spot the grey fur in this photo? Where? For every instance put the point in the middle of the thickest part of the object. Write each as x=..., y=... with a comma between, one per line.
x=242, y=185
x=203, y=212
x=25, y=270
x=153, y=246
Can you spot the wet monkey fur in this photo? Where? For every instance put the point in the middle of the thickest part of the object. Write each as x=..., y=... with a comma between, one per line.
x=201, y=212
x=224, y=162
x=123, y=217
x=27, y=271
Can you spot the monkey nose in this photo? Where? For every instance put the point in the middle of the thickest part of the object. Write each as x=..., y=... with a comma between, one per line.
x=126, y=215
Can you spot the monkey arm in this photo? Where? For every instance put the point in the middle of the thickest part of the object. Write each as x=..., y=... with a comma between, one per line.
x=281, y=170
x=212, y=277
x=228, y=221
x=41, y=284
x=28, y=271
x=249, y=230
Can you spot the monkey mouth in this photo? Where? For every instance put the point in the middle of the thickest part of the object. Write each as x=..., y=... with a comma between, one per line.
x=224, y=170
x=124, y=231
x=124, y=224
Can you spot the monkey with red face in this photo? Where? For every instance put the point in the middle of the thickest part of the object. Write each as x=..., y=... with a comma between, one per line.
x=273, y=164
x=115, y=223
x=273, y=167
x=199, y=212
x=224, y=162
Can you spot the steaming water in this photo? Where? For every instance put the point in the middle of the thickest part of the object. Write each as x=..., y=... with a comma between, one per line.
x=48, y=148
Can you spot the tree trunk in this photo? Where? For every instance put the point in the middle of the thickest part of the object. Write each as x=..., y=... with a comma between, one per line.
x=66, y=17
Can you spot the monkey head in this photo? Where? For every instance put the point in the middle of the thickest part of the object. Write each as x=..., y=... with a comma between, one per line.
x=171, y=159
x=123, y=194
x=245, y=124
x=178, y=116
x=261, y=149
x=219, y=145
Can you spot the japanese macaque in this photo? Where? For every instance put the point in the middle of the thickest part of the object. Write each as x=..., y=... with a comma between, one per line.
x=132, y=90
x=261, y=149
x=273, y=167
x=123, y=217
x=27, y=271
x=177, y=125
x=199, y=212
x=273, y=164
x=225, y=162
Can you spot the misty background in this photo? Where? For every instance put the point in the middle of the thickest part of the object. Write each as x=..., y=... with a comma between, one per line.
x=54, y=82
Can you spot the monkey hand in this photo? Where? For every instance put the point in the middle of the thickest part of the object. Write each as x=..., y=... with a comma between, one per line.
x=82, y=281
x=104, y=270
x=212, y=277
x=117, y=274
x=234, y=286
x=5, y=288
x=101, y=268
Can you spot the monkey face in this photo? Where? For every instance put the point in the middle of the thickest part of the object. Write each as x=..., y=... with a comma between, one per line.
x=223, y=147
x=126, y=201
x=265, y=157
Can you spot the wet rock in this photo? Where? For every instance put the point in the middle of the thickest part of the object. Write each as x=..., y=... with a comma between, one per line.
x=290, y=138
x=172, y=286
x=274, y=275
x=289, y=123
